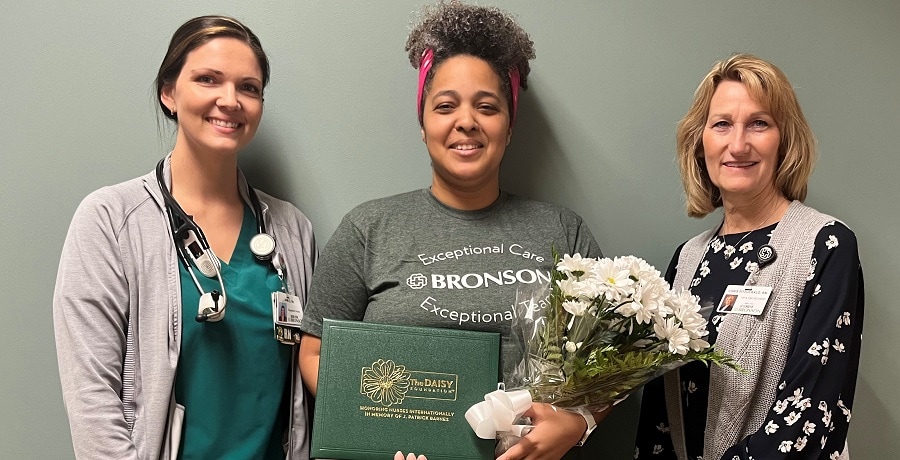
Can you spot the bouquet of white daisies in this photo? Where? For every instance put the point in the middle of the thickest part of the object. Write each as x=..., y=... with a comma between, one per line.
x=602, y=328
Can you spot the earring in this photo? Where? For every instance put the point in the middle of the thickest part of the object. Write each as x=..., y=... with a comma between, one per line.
x=172, y=111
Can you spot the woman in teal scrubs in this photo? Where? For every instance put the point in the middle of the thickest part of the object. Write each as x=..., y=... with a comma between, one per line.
x=150, y=363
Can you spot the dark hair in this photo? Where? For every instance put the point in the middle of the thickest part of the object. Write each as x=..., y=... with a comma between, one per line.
x=193, y=34
x=453, y=28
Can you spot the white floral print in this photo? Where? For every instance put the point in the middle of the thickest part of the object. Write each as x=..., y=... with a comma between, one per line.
x=807, y=414
x=785, y=446
x=717, y=244
x=844, y=409
x=814, y=349
x=751, y=267
x=809, y=427
x=780, y=406
x=838, y=346
x=729, y=251
x=704, y=268
x=792, y=418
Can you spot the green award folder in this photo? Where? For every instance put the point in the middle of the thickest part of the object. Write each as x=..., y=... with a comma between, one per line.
x=384, y=388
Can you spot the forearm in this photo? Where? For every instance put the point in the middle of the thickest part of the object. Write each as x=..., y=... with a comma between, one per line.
x=310, y=348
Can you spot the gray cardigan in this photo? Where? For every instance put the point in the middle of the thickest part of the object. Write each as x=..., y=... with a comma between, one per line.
x=738, y=403
x=117, y=311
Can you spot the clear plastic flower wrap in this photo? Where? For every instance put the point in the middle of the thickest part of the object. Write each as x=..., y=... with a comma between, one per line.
x=601, y=329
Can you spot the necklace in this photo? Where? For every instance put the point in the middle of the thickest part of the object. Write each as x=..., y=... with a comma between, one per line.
x=731, y=249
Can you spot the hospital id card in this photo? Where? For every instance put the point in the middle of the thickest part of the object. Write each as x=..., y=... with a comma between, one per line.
x=744, y=300
x=287, y=312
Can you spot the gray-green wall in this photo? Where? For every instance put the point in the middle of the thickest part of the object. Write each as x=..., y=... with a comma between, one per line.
x=595, y=133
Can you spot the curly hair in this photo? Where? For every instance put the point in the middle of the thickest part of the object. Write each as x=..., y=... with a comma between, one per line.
x=767, y=85
x=452, y=28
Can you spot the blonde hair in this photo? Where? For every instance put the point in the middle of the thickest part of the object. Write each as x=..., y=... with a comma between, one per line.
x=768, y=86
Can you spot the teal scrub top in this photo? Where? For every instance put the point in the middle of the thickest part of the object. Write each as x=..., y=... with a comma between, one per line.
x=233, y=376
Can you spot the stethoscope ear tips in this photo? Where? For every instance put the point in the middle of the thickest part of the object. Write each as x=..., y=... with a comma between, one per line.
x=262, y=245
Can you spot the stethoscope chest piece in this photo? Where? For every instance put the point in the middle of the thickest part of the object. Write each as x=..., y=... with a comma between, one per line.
x=262, y=245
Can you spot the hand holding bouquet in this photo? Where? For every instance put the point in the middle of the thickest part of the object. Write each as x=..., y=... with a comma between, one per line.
x=603, y=328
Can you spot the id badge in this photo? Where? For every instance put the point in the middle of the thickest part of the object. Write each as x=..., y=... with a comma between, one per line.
x=287, y=312
x=744, y=300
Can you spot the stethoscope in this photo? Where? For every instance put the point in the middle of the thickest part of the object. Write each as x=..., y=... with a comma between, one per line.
x=194, y=251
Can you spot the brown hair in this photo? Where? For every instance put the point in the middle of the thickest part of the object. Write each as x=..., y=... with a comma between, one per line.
x=193, y=34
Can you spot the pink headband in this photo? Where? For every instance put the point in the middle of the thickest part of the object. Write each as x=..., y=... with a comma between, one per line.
x=428, y=61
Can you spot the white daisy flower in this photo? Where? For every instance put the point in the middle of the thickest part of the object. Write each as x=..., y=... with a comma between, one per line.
x=717, y=244
x=824, y=441
x=576, y=307
x=746, y=247
x=826, y=417
x=663, y=428
x=823, y=406
x=575, y=266
x=832, y=242
x=736, y=262
x=668, y=329
x=817, y=291
x=771, y=427
x=835, y=455
x=800, y=443
x=657, y=449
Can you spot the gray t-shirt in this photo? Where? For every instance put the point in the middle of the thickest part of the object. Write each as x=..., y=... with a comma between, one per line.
x=410, y=260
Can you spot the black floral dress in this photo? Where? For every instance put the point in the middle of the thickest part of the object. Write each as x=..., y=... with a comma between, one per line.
x=811, y=413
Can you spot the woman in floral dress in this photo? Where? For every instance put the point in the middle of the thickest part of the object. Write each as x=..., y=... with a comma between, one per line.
x=791, y=277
